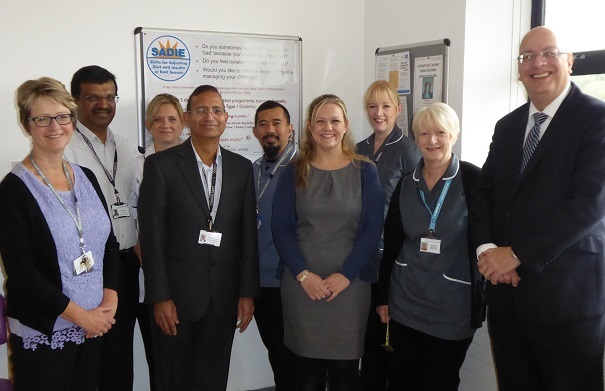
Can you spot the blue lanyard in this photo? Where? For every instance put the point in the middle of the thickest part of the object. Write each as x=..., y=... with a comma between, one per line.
x=435, y=213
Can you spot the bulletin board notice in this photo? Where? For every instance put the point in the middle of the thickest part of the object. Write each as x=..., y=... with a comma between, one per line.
x=419, y=71
x=247, y=69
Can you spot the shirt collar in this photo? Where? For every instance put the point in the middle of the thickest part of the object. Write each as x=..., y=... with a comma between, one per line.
x=219, y=157
x=91, y=136
x=552, y=108
x=450, y=172
x=150, y=150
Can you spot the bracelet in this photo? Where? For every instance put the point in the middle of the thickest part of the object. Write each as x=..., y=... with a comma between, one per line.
x=304, y=276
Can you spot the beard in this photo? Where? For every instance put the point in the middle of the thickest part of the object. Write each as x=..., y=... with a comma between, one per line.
x=271, y=152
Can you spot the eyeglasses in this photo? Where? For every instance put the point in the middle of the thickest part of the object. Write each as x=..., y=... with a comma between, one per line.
x=95, y=98
x=61, y=119
x=530, y=57
x=201, y=111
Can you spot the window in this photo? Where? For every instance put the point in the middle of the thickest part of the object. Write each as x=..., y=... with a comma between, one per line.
x=580, y=29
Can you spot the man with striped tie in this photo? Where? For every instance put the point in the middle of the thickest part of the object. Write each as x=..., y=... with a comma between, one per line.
x=538, y=224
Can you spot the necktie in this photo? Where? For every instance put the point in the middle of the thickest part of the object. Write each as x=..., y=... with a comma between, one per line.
x=532, y=140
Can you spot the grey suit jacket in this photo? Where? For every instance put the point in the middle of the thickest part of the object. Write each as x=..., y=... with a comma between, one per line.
x=172, y=211
x=552, y=216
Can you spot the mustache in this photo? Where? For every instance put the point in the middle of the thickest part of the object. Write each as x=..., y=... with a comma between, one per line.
x=104, y=109
x=275, y=136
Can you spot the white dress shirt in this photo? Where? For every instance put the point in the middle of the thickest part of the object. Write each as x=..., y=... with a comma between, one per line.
x=206, y=175
x=77, y=151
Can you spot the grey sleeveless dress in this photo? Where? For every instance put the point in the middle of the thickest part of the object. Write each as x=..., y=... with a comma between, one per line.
x=328, y=217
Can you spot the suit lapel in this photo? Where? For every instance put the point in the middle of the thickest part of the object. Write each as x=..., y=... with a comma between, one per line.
x=517, y=140
x=189, y=168
x=228, y=185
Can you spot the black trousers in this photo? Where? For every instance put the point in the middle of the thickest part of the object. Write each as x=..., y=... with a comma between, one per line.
x=428, y=363
x=116, y=367
x=377, y=365
x=72, y=368
x=548, y=357
x=342, y=375
x=270, y=321
x=198, y=357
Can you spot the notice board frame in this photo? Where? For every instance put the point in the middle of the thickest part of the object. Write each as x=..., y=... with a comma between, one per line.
x=266, y=67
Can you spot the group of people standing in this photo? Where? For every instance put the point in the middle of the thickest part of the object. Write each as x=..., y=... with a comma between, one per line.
x=379, y=251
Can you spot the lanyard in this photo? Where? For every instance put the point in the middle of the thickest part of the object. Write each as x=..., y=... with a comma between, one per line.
x=77, y=219
x=289, y=151
x=435, y=213
x=211, y=191
x=110, y=178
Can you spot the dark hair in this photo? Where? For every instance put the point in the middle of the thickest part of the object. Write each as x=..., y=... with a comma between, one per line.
x=268, y=105
x=199, y=91
x=93, y=74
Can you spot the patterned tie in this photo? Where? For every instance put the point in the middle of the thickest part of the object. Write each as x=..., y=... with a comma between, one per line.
x=532, y=140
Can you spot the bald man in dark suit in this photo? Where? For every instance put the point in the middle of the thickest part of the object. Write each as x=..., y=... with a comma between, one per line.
x=539, y=225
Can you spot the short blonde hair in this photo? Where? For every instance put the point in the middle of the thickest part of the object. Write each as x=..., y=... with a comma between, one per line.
x=44, y=87
x=436, y=115
x=380, y=87
x=158, y=101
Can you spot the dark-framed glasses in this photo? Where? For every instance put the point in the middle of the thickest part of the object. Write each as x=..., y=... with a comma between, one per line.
x=95, y=98
x=61, y=119
x=530, y=57
x=201, y=111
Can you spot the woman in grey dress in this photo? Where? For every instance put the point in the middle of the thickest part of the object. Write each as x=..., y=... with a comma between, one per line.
x=327, y=221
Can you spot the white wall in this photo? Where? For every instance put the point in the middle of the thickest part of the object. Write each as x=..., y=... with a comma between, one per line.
x=56, y=40
x=339, y=40
x=493, y=31
x=484, y=39
x=394, y=22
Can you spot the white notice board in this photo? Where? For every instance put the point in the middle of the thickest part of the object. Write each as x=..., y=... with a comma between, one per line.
x=247, y=69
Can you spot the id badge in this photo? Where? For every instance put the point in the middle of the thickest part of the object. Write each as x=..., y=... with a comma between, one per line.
x=119, y=210
x=430, y=245
x=211, y=238
x=84, y=263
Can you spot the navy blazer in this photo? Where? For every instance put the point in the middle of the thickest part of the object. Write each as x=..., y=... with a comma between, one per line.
x=172, y=211
x=552, y=216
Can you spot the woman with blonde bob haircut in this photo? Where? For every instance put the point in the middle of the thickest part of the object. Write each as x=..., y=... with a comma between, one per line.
x=58, y=251
x=395, y=155
x=164, y=119
x=429, y=281
x=326, y=230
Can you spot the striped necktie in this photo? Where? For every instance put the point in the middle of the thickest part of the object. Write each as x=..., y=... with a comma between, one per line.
x=532, y=140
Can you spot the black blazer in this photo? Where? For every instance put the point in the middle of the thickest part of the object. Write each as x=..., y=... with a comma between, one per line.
x=33, y=285
x=552, y=215
x=172, y=211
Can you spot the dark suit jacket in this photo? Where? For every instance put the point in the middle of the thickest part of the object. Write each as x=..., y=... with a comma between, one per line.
x=552, y=216
x=172, y=211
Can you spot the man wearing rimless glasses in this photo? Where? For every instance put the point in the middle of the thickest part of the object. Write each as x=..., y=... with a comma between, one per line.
x=539, y=225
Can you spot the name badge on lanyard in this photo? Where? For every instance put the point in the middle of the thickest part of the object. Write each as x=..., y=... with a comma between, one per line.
x=84, y=263
x=430, y=244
